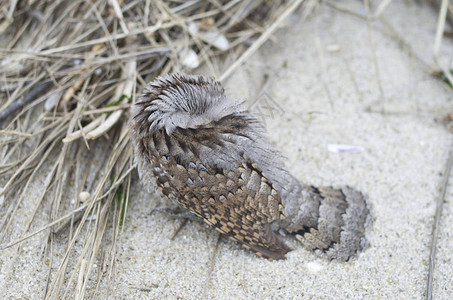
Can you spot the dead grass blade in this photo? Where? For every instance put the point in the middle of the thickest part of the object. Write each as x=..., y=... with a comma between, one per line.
x=70, y=71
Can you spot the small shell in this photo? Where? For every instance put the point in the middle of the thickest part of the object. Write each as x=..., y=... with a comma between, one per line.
x=212, y=36
x=313, y=267
x=84, y=196
x=333, y=48
x=340, y=148
x=189, y=58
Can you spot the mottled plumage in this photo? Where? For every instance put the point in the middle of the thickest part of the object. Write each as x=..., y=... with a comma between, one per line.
x=204, y=150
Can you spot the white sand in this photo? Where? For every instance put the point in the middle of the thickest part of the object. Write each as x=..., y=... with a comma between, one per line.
x=443, y=275
x=325, y=98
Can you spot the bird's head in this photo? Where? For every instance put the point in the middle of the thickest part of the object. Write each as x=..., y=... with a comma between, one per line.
x=179, y=100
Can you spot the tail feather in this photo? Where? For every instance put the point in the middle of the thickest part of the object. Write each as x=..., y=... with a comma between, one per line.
x=341, y=222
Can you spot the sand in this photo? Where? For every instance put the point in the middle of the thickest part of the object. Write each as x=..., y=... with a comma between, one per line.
x=332, y=79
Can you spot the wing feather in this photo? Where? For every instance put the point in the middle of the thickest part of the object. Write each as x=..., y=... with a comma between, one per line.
x=238, y=199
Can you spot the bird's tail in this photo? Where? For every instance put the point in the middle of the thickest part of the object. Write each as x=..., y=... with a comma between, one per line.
x=335, y=225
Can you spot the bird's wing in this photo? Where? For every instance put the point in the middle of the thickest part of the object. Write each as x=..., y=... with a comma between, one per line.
x=239, y=201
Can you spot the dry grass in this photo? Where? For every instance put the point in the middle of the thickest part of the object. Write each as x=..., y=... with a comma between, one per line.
x=69, y=72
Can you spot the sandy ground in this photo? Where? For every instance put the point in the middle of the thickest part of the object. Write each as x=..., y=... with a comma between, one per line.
x=331, y=79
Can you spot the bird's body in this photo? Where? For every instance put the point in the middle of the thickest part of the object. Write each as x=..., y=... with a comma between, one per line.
x=204, y=150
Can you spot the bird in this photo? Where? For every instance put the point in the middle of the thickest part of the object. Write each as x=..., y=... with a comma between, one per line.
x=204, y=150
